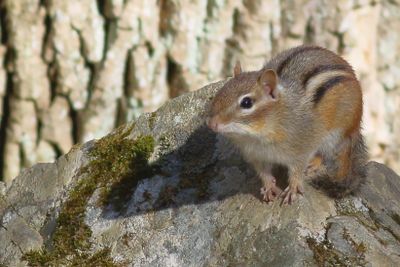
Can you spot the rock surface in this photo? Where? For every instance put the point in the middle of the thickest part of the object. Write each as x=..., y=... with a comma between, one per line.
x=198, y=207
x=73, y=70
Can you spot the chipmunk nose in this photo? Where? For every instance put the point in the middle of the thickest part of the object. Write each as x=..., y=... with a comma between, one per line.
x=212, y=124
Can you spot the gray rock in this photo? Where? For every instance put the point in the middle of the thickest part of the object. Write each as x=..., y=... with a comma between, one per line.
x=199, y=206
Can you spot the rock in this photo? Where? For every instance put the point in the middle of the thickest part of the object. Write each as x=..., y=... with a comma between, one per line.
x=166, y=191
x=112, y=60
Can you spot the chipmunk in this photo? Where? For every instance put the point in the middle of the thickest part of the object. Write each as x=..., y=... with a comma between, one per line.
x=303, y=110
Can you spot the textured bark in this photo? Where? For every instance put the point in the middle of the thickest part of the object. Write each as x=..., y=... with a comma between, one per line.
x=73, y=70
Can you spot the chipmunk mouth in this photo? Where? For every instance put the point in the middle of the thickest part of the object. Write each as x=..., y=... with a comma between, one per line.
x=228, y=128
x=234, y=128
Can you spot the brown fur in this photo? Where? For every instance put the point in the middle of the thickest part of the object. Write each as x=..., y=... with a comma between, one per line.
x=316, y=162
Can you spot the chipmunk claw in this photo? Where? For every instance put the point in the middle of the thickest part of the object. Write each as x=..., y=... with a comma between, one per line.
x=270, y=192
x=291, y=193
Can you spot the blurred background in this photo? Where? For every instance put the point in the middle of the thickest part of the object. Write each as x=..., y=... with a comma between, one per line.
x=73, y=70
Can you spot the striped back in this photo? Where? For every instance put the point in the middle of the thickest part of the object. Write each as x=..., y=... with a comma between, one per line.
x=311, y=69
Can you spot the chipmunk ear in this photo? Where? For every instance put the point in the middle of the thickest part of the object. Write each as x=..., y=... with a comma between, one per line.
x=237, y=69
x=268, y=81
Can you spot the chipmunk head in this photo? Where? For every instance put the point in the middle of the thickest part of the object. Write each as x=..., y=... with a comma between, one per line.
x=246, y=103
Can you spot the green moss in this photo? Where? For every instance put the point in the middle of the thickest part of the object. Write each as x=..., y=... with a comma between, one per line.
x=117, y=165
x=38, y=258
x=324, y=254
x=361, y=248
x=45, y=258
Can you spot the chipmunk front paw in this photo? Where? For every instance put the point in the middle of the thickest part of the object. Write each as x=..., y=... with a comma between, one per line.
x=291, y=193
x=270, y=191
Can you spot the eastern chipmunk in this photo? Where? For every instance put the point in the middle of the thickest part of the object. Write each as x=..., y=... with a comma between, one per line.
x=303, y=110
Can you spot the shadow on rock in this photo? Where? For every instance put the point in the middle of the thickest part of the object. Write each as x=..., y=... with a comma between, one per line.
x=206, y=167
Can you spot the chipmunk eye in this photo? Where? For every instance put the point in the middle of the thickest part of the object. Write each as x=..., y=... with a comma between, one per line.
x=246, y=102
